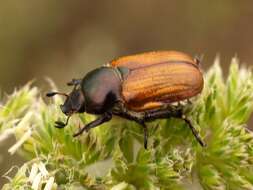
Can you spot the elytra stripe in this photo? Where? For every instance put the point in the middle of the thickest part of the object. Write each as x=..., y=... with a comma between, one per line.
x=166, y=62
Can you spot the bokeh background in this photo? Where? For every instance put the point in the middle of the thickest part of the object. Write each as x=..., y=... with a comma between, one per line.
x=65, y=39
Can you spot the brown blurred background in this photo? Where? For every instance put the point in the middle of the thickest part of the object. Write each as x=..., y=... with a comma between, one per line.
x=65, y=39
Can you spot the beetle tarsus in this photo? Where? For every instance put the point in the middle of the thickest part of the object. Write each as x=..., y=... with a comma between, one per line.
x=51, y=94
x=194, y=131
x=145, y=130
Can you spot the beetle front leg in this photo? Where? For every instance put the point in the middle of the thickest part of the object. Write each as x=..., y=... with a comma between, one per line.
x=104, y=118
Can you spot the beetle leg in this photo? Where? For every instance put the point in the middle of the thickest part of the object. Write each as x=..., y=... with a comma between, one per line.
x=162, y=114
x=198, y=59
x=189, y=101
x=194, y=131
x=145, y=130
x=104, y=118
x=138, y=119
x=74, y=82
x=177, y=113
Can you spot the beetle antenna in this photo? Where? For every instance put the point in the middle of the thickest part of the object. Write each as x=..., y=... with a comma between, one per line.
x=60, y=124
x=51, y=94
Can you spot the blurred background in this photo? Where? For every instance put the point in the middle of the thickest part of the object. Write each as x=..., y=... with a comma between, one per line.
x=65, y=39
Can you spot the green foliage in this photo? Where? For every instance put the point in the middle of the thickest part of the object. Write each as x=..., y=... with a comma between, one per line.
x=112, y=156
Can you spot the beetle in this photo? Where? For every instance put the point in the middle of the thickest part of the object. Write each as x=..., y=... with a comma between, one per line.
x=141, y=88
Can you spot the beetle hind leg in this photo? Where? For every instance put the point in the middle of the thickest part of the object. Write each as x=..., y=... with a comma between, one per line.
x=176, y=113
x=145, y=137
x=145, y=133
x=138, y=119
x=194, y=131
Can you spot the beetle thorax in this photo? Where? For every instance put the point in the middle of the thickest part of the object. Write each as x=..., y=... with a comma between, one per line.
x=101, y=89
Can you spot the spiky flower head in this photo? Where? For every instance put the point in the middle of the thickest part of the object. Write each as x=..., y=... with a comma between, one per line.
x=112, y=156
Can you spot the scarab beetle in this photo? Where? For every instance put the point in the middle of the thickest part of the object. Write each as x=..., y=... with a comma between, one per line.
x=141, y=87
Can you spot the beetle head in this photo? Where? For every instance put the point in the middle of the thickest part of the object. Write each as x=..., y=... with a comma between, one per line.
x=74, y=103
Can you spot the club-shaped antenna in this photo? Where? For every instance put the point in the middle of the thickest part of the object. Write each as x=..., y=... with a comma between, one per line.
x=51, y=94
x=60, y=124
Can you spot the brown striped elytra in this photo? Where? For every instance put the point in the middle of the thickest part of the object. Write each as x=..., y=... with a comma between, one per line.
x=141, y=87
